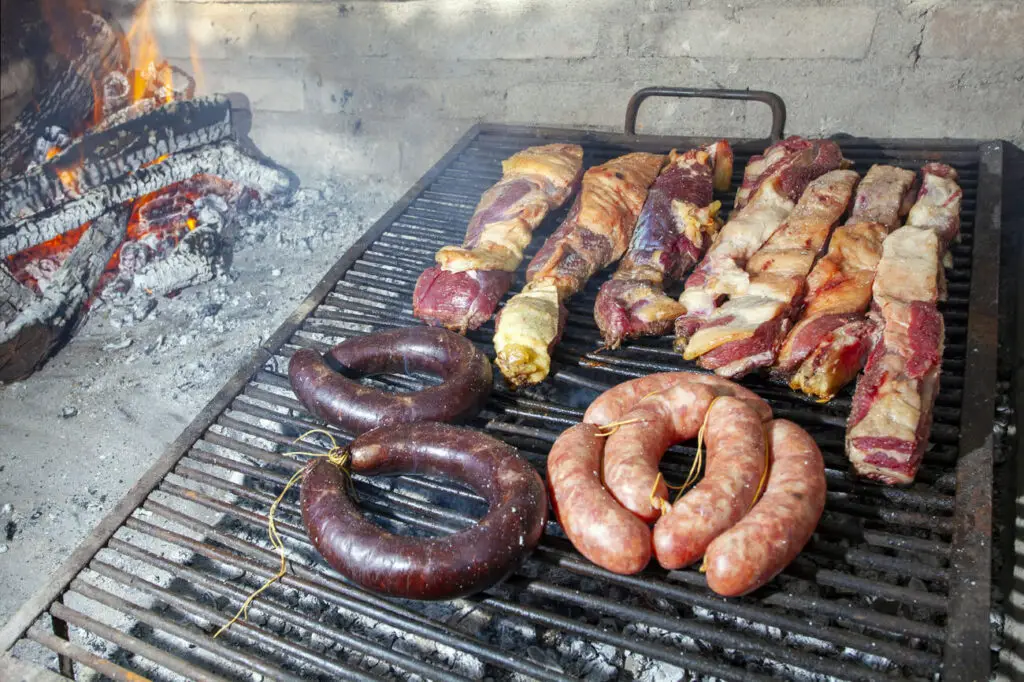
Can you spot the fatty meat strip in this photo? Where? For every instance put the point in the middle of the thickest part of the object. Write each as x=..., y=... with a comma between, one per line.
x=890, y=419
x=746, y=331
x=594, y=235
x=832, y=336
x=676, y=225
x=773, y=195
x=462, y=290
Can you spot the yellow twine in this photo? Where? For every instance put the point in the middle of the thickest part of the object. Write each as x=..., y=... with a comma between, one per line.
x=614, y=426
x=764, y=474
x=337, y=456
x=760, y=489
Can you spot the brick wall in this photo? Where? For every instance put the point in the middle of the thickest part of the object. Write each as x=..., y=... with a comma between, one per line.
x=380, y=89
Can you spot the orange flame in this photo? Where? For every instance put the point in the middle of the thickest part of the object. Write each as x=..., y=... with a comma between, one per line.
x=150, y=74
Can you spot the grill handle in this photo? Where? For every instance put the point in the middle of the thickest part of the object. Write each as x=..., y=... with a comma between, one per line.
x=775, y=102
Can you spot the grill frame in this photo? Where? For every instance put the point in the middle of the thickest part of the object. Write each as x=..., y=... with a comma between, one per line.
x=966, y=647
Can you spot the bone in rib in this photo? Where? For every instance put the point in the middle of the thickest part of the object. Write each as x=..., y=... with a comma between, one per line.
x=891, y=415
x=746, y=331
x=832, y=337
x=778, y=186
x=594, y=235
x=675, y=227
x=462, y=290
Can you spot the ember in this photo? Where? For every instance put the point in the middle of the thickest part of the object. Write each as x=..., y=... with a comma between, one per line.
x=149, y=150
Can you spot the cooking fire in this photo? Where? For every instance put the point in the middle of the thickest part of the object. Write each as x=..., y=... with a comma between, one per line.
x=580, y=404
x=156, y=172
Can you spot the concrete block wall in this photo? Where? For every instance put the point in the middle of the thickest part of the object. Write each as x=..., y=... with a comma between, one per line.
x=380, y=89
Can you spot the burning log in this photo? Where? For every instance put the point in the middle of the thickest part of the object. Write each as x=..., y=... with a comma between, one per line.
x=100, y=157
x=66, y=97
x=225, y=160
x=47, y=319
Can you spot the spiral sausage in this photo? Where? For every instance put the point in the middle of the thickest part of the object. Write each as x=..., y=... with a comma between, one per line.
x=466, y=372
x=427, y=568
x=736, y=447
x=634, y=450
x=596, y=525
x=763, y=543
x=611, y=405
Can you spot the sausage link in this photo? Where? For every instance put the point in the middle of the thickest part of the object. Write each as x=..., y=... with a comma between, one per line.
x=763, y=543
x=427, y=568
x=596, y=525
x=634, y=450
x=466, y=372
x=736, y=445
x=611, y=405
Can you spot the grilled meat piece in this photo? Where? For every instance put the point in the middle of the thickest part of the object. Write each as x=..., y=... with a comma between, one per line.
x=777, y=182
x=832, y=338
x=746, y=331
x=795, y=160
x=594, y=235
x=462, y=291
x=678, y=221
x=891, y=416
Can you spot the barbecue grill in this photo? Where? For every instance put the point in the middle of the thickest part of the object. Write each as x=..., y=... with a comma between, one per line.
x=895, y=585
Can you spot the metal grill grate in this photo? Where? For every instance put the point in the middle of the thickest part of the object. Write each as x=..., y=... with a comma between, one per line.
x=894, y=580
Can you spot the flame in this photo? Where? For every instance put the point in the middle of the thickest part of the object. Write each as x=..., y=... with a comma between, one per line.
x=191, y=223
x=52, y=152
x=68, y=179
x=193, y=58
x=150, y=74
x=159, y=159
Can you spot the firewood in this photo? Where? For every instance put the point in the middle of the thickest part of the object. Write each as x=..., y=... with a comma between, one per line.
x=100, y=157
x=225, y=160
x=66, y=97
x=32, y=336
x=14, y=297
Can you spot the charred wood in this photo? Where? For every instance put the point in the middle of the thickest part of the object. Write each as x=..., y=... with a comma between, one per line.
x=225, y=160
x=14, y=297
x=100, y=157
x=66, y=96
x=31, y=337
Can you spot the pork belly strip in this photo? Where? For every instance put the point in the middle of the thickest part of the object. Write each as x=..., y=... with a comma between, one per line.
x=891, y=416
x=594, y=235
x=831, y=338
x=746, y=331
x=677, y=222
x=462, y=290
x=722, y=271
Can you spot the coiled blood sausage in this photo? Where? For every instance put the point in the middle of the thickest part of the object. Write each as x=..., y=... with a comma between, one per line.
x=427, y=568
x=763, y=543
x=736, y=447
x=330, y=395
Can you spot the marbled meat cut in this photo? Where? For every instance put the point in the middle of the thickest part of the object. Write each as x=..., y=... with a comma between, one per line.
x=677, y=223
x=594, y=235
x=773, y=191
x=462, y=290
x=746, y=331
x=891, y=416
x=832, y=336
